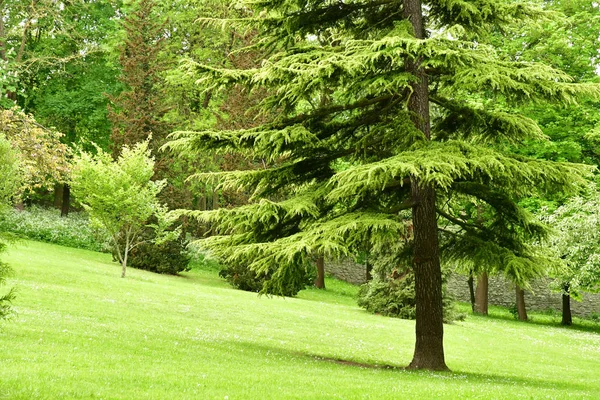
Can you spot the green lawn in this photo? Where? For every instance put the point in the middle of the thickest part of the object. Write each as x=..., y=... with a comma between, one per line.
x=83, y=332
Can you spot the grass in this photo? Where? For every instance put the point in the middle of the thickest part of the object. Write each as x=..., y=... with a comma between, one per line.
x=83, y=332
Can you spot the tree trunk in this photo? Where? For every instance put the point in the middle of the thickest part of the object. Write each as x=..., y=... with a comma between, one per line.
x=521, y=310
x=481, y=294
x=124, y=262
x=471, y=290
x=369, y=271
x=66, y=201
x=58, y=195
x=567, y=319
x=429, y=327
x=320, y=281
x=2, y=33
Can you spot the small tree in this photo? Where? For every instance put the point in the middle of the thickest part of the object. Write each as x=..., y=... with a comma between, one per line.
x=119, y=195
x=576, y=240
x=10, y=174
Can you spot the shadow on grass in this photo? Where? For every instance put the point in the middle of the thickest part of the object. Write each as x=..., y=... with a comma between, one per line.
x=469, y=378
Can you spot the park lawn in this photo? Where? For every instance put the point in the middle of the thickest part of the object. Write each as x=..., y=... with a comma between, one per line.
x=83, y=332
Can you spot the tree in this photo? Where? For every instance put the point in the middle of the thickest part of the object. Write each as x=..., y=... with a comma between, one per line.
x=119, y=195
x=136, y=113
x=43, y=158
x=10, y=174
x=576, y=241
x=416, y=119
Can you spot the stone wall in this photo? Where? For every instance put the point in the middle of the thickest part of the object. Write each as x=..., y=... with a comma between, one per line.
x=347, y=270
x=541, y=298
x=501, y=292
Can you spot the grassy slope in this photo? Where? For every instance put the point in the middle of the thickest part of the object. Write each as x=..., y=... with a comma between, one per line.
x=82, y=332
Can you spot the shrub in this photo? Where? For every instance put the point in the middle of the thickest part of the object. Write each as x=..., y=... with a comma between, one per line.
x=243, y=278
x=394, y=296
x=6, y=297
x=168, y=257
x=46, y=225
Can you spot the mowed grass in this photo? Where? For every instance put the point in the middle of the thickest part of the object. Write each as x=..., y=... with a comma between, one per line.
x=83, y=332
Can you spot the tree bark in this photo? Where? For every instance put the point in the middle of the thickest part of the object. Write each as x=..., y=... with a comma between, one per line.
x=481, y=294
x=66, y=201
x=320, y=281
x=521, y=310
x=58, y=195
x=369, y=271
x=567, y=319
x=429, y=328
x=471, y=290
x=2, y=33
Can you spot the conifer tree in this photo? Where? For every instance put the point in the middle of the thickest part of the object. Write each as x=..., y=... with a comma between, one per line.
x=136, y=113
x=413, y=123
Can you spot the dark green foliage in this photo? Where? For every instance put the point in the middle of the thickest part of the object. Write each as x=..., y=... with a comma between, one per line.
x=394, y=296
x=391, y=297
x=169, y=257
x=244, y=278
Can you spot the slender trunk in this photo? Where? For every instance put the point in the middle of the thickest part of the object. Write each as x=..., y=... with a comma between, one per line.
x=58, y=195
x=66, y=201
x=429, y=328
x=320, y=281
x=481, y=294
x=471, y=290
x=369, y=270
x=124, y=261
x=567, y=319
x=215, y=199
x=521, y=310
x=2, y=33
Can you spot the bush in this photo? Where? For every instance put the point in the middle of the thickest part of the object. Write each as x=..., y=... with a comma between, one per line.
x=394, y=296
x=46, y=225
x=170, y=257
x=243, y=278
x=7, y=297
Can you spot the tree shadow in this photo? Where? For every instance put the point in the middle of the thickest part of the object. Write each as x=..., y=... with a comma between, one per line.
x=484, y=379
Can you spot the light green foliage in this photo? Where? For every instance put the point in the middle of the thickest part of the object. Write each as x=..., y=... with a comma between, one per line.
x=9, y=184
x=119, y=195
x=165, y=337
x=47, y=225
x=337, y=87
x=576, y=240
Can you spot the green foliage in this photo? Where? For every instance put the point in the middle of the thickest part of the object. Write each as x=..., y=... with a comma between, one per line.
x=244, y=278
x=344, y=102
x=166, y=257
x=119, y=195
x=575, y=242
x=6, y=298
x=9, y=184
x=47, y=225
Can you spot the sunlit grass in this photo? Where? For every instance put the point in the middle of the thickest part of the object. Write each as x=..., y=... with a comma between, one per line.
x=83, y=332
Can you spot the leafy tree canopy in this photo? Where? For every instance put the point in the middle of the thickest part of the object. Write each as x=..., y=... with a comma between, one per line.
x=421, y=112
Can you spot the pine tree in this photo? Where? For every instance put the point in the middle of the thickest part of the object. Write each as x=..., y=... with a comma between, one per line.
x=416, y=120
x=136, y=113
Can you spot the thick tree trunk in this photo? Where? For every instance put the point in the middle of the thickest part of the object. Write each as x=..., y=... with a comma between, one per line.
x=66, y=201
x=320, y=281
x=471, y=290
x=481, y=294
x=521, y=310
x=567, y=319
x=429, y=346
